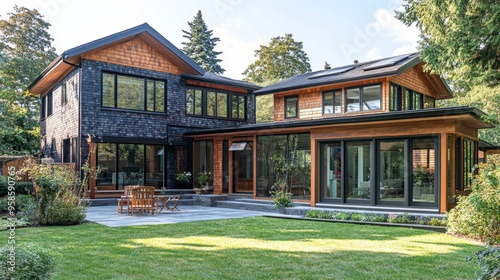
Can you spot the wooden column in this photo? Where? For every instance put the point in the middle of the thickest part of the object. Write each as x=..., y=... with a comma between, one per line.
x=218, y=174
x=443, y=199
x=92, y=160
x=313, y=175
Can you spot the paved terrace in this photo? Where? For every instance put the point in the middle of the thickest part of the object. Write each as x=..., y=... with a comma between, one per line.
x=109, y=216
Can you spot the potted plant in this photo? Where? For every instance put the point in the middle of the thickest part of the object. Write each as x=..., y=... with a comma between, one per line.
x=183, y=178
x=204, y=179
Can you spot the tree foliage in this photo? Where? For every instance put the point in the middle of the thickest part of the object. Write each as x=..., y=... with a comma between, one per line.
x=282, y=58
x=25, y=50
x=201, y=45
x=459, y=39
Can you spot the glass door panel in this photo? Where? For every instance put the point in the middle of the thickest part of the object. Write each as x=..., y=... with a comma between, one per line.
x=423, y=166
x=332, y=160
x=391, y=170
x=358, y=170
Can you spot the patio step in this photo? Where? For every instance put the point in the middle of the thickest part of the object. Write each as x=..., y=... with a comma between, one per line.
x=245, y=205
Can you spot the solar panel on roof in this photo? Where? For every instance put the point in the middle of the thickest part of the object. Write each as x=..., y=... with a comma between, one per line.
x=332, y=72
x=386, y=62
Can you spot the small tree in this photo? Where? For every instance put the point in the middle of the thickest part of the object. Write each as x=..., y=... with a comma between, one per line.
x=201, y=45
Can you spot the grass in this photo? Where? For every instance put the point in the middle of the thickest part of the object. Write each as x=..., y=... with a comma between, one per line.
x=252, y=248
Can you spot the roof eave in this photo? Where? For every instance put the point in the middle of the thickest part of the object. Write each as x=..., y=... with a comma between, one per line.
x=386, y=116
x=228, y=83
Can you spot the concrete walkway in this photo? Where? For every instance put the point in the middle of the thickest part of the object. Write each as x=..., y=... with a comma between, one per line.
x=108, y=215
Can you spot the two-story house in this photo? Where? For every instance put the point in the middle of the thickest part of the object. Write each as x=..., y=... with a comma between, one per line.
x=365, y=136
x=135, y=95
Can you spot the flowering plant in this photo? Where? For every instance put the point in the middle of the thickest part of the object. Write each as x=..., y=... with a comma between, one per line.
x=204, y=178
x=183, y=177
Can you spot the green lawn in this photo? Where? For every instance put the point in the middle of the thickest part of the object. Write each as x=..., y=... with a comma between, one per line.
x=252, y=248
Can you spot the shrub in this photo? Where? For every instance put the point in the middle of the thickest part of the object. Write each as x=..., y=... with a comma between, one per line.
x=59, y=194
x=20, y=188
x=434, y=222
x=31, y=262
x=379, y=218
x=341, y=216
x=356, y=216
x=312, y=214
x=281, y=196
x=324, y=215
x=489, y=264
x=478, y=215
x=392, y=218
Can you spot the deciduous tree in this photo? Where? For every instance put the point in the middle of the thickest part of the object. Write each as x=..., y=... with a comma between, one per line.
x=25, y=50
x=282, y=58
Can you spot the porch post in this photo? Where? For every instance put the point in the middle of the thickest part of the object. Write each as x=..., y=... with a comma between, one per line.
x=92, y=164
x=218, y=174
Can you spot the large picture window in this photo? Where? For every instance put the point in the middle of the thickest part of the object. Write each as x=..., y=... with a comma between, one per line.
x=130, y=164
x=363, y=98
x=133, y=93
x=201, y=102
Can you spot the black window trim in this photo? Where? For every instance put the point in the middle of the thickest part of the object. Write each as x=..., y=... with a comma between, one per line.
x=296, y=106
x=204, y=103
x=360, y=87
x=64, y=94
x=145, y=78
x=333, y=91
x=399, y=97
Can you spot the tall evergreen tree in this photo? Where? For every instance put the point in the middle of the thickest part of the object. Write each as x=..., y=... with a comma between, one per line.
x=201, y=45
x=25, y=50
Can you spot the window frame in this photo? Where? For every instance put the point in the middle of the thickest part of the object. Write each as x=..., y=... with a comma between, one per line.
x=285, y=107
x=361, y=99
x=398, y=96
x=146, y=98
x=64, y=94
x=50, y=105
x=333, y=94
x=43, y=107
x=214, y=113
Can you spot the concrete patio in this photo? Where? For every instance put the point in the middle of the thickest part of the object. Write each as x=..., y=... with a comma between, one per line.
x=108, y=215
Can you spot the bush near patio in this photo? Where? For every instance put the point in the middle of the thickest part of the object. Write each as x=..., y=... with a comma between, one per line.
x=59, y=194
x=478, y=214
x=31, y=262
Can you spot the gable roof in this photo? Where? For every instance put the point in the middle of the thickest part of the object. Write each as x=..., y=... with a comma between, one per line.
x=70, y=59
x=384, y=67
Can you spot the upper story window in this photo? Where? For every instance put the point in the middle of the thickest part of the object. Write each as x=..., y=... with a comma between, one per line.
x=413, y=100
x=238, y=107
x=43, y=107
x=395, y=98
x=429, y=102
x=134, y=93
x=332, y=102
x=363, y=98
x=211, y=103
x=49, y=103
x=217, y=104
x=291, y=106
x=64, y=96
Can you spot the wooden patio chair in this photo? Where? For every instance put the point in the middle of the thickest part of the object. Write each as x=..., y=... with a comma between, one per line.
x=143, y=199
x=125, y=198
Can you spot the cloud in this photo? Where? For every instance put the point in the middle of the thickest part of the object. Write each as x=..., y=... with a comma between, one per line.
x=373, y=54
x=237, y=50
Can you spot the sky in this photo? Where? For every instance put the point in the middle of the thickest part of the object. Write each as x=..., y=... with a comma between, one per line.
x=335, y=31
